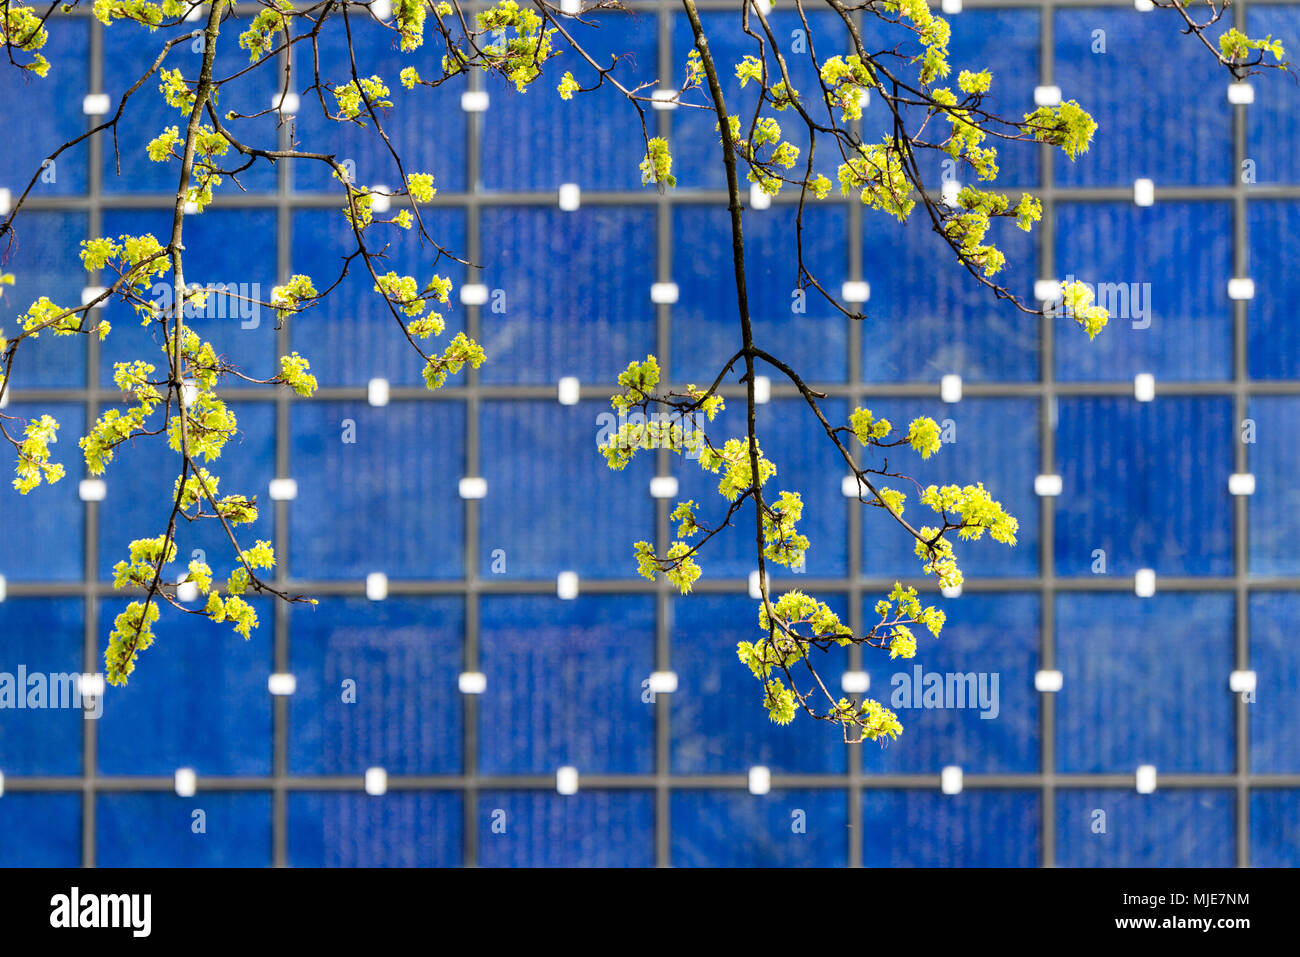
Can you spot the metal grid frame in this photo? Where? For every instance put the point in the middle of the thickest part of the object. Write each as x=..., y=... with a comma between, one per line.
x=472, y=393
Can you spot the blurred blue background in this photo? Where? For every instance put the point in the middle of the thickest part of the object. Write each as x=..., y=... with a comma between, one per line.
x=664, y=778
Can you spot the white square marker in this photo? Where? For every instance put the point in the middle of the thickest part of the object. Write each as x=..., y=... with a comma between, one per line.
x=569, y=390
x=92, y=490
x=951, y=6
x=566, y=585
x=90, y=293
x=472, y=682
x=283, y=489
x=194, y=13
x=1146, y=779
x=1241, y=289
x=1144, y=582
x=191, y=208
x=186, y=782
x=95, y=104
x=762, y=390
x=6, y=198
x=376, y=781
x=1047, y=95
x=855, y=291
x=383, y=9
x=1144, y=387
x=1241, y=94
x=377, y=392
x=566, y=780
x=376, y=586
x=281, y=684
x=950, y=591
x=849, y=486
x=2, y=784
x=663, y=293
x=1241, y=483
x=4, y=588
x=1048, y=486
x=950, y=780
x=664, y=99
x=90, y=686
x=864, y=99
x=570, y=196
x=663, y=486
x=755, y=586
x=663, y=682
x=1144, y=192
x=758, y=197
x=571, y=7
x=948, y=193
x=1143, y=6
x=288, y=103
x=186, y=592
x=760, y=780
x=1048, y=681
x=764, y=6
x=950, y=388
x=855, y=682
x=380, y=201
x=474, y=101
x=473, y=487
x=1241, y=682
x=473, y=294
x=4, y=398
x=1048, y=290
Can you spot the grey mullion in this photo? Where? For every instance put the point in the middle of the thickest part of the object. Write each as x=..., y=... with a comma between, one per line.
x=828, y=782
x=663, y=464
x=856, y=271
x=472, y=394
x=686, y=196
x=247, y=9
x=852, y=391
x=1047, y=417
x=283, y=465
x=90, y=591
x=619, y=586
x=1241, y=519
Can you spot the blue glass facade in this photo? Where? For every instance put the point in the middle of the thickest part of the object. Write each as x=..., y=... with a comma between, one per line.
x=472, y=582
